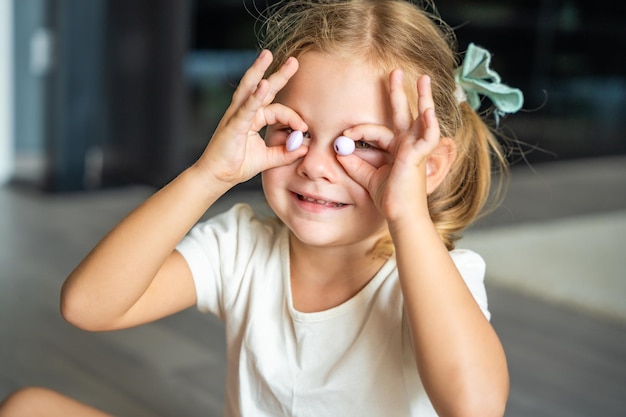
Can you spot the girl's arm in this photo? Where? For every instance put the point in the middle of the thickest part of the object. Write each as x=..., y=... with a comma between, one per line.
x=134, y=275
x=460, y=359
x=459, y=356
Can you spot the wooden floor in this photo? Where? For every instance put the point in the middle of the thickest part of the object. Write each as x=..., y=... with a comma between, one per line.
x=563, y=363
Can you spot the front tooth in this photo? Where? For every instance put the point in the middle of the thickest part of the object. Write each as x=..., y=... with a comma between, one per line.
x=322, y=202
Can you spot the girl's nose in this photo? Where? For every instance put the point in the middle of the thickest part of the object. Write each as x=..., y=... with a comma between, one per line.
x=320, y=162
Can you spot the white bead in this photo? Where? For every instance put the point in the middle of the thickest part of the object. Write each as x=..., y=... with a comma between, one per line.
x=294, y=140
x=344, y=145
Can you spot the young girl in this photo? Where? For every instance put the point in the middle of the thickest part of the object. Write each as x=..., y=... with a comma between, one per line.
x=354, y=301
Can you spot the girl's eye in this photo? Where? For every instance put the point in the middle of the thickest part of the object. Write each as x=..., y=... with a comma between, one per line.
x=360, y=144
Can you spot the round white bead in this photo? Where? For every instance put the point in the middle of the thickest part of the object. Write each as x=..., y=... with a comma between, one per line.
x=294, y=140
x=344, y=145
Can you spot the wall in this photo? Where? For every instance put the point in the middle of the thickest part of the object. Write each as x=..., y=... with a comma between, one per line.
x=6, y=91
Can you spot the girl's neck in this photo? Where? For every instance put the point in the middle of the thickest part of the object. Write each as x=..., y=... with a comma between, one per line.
x=323, y=278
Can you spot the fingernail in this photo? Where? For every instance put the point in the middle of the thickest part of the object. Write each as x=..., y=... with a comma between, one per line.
x=344, y=145
x=294, y=140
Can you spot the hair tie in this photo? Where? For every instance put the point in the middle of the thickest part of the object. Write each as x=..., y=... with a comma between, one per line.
x=474, y=77
x=459, y=94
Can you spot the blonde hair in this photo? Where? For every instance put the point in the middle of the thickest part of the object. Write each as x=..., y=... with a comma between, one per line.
x=401, y=34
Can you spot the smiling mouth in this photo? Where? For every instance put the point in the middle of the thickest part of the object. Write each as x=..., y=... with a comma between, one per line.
x=320, y=202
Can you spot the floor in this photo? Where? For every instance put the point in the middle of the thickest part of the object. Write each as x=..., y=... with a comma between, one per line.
x=567, y=355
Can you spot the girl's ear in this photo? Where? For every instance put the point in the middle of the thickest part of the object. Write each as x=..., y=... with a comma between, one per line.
x=438, y=164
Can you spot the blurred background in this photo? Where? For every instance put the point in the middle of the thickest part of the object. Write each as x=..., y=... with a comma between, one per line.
x=106, y=93
x=104, y=101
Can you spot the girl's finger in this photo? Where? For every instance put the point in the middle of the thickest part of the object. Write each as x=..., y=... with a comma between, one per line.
x=277, y=153
x=424, y=94
x=400, y=110
x=280, y=78
x=377, y=135
x=246, y=96
x=247, y=112
x=279, y=156
x=426, y=125
x=361, y=171
x=429, y=134
x=279, y=113
x=431, y=131
x=251, y=78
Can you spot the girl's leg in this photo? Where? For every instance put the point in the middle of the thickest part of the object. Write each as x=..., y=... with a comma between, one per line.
x=43, y=402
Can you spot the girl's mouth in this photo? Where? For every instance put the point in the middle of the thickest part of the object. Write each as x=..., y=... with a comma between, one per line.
x=320, y=202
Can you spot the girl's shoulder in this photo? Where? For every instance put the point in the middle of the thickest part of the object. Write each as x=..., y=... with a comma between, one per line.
x=227, y=250
x=466, y=258
x=240, y=231
x=472, y=268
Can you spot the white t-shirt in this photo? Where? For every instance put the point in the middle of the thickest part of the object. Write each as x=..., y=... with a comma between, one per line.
x=355, y=359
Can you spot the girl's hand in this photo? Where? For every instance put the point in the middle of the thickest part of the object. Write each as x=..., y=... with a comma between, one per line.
x=237, y=152
x=399, y=186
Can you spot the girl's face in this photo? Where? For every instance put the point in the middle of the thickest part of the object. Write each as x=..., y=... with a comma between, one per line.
x=314, y=196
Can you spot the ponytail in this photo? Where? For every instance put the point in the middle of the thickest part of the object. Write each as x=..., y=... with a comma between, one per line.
x=467, y=192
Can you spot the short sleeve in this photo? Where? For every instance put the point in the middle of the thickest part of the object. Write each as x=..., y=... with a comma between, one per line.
x=471, y=266
x=217, y=252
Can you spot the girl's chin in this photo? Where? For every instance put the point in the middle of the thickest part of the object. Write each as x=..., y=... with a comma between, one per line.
x=326, y=236
x=314, y=236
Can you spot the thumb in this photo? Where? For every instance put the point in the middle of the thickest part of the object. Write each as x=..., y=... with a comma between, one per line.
x=278, y=156
x=360, y=171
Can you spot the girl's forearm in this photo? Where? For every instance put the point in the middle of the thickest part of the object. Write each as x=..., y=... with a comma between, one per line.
x=133, y=275
x=120, y=269
x=460, y=358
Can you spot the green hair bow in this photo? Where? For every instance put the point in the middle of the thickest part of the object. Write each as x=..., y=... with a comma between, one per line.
x=476, y=78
